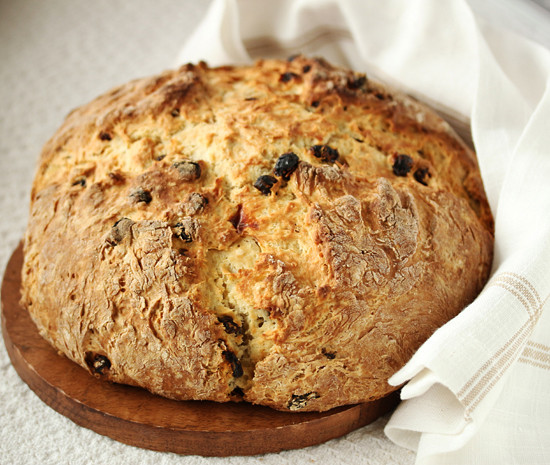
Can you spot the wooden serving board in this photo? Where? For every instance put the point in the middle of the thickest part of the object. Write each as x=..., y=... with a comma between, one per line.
x=136, y=417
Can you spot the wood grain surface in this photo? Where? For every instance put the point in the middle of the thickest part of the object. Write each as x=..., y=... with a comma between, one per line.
x=136, y=417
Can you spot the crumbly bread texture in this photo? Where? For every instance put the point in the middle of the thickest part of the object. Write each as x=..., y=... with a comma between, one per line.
x=286, y=234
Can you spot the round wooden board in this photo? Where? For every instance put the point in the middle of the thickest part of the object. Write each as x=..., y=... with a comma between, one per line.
x=136, y=417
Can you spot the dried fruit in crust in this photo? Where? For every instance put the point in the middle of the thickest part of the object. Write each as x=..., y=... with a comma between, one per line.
x=286, y=234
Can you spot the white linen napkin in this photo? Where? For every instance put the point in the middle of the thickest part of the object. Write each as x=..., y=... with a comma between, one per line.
x=477, y=389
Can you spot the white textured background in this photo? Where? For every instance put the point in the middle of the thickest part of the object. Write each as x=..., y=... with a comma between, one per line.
x=56, y=55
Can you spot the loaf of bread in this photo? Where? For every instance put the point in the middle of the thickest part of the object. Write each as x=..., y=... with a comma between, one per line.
x=287, y=234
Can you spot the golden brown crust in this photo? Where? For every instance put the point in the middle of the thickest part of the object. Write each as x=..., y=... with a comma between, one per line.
x=175, y=244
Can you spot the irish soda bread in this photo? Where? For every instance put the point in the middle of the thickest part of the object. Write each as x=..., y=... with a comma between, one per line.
x=286, y=233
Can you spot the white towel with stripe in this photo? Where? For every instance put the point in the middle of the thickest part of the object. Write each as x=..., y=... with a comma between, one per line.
x=478, y=390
